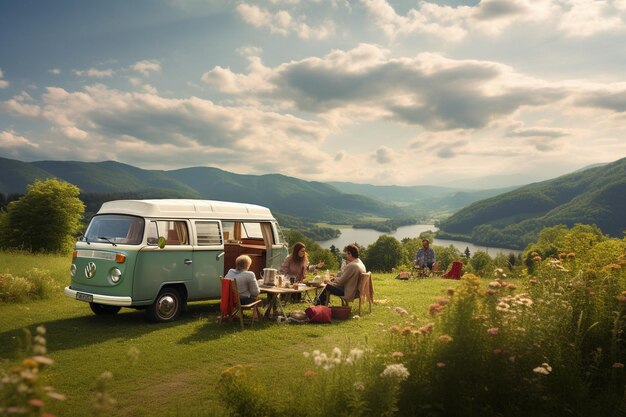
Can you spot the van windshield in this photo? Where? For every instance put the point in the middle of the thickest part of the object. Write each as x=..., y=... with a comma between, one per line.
x=115, y=228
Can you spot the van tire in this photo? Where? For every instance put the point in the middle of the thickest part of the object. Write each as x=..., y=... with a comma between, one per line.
x=104, y=309
x=166, y=307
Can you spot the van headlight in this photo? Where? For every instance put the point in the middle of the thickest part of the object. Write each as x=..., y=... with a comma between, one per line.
x=73, y=270
x=115, y=275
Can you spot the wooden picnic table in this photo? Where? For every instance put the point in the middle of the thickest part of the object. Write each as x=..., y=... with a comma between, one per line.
x=274, y=294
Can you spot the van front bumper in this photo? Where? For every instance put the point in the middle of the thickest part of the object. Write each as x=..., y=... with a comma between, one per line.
x=98, y=298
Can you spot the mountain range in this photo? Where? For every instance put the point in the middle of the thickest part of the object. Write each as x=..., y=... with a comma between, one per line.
x=505, y=217
x=596, y=195
x=311, y=200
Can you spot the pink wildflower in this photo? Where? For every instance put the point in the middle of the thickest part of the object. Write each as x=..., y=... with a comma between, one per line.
x=493, y=330
x=434, y=309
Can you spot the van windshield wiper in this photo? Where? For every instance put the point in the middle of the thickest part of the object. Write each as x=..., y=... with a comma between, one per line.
x=107, y=240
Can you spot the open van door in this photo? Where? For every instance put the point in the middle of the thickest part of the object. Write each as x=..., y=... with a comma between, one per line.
x=276, y=244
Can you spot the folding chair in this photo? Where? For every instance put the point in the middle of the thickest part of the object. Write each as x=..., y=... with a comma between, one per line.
x=365, y=291
x=455, y=271
x=230, y=306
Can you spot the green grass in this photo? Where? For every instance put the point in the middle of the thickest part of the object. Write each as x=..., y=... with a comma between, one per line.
x=180, y=363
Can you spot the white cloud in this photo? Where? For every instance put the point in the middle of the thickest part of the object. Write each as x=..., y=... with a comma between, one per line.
x=200, y=132
x=94, y=73
x=73, y=132
x=585, y=18
x=283, y=23
x=572, y=18
x=428, y=89
x=55, y=71
x=3, y=83
x=145, y=67
x=21, y=105
x=11, y=140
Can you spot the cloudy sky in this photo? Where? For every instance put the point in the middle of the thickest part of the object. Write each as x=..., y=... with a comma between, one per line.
x=370, y=91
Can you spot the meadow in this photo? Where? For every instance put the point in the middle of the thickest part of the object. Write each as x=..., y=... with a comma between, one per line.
x=173, y=369
x=541, y=339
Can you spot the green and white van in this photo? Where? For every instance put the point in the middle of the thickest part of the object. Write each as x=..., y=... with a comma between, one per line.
x=159, y=254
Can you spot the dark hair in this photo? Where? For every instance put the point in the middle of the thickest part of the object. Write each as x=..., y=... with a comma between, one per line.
x=353, y=249
x=295, y=253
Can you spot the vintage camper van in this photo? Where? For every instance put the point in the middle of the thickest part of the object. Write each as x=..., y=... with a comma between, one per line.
x=159, y=254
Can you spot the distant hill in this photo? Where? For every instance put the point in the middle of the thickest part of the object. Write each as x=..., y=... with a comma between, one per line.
x=421, y=198
x=16, y=175
x=595, y=195
x=102, y=181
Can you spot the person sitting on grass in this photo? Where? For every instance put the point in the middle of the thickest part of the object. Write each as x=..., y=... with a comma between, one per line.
x=346, y=283
x=246, y=280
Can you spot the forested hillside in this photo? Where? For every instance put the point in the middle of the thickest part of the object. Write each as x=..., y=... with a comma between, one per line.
x=102, y=181
x=593, y=196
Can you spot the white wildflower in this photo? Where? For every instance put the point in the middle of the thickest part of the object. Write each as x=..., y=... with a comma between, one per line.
x=356, y=353
x=336, y=353
x=306, y=354
x=396, y=370
x=401, y=311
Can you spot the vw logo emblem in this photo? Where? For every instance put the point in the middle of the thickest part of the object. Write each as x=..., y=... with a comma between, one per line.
x=90, y=270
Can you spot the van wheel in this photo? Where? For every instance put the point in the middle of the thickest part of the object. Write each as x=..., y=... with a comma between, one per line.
x=166, y=307
x=104, y=309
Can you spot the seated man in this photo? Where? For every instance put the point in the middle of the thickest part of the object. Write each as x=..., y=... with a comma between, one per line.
x=425, y=256
x=346, y=283
x=247, y=284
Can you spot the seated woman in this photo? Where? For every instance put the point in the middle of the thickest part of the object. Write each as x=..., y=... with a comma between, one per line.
x=246, y=280
x=297, y=263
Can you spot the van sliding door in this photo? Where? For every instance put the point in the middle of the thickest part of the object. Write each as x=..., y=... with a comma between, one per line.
x=208, y=260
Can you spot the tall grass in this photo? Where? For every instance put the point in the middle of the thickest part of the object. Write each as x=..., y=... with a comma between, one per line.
x=174, y=369
x=549, y=344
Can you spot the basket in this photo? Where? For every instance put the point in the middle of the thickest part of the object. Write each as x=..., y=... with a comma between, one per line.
x=341, y=313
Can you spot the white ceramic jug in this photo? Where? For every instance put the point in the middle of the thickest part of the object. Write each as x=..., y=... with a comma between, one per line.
x=269, y=276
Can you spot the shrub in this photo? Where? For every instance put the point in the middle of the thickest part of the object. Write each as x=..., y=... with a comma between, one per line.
x=37, y=284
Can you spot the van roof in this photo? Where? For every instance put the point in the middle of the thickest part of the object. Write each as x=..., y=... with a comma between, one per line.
x=180, y=208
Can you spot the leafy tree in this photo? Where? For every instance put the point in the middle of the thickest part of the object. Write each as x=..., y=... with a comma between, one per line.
x=384, y=254
x=482, y=264
x=467, y=252
x=445, y=256
x=46, y=219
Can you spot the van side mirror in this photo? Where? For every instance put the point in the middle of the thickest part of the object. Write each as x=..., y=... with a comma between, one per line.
x=161, y=242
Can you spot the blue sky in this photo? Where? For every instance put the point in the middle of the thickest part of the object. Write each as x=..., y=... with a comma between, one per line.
x=479, y=93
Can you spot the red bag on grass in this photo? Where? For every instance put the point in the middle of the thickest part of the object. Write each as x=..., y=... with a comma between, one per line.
x=318, y=314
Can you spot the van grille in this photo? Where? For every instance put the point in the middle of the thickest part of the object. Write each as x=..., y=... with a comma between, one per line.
x=96, y=254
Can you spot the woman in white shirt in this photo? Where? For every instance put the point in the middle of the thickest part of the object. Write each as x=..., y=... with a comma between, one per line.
x=246, y=280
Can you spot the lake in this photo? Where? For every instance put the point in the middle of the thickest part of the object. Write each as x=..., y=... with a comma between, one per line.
x=365, y=237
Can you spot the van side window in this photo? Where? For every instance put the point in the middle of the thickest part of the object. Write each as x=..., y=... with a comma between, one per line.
x=208, y=233
x=174, y=232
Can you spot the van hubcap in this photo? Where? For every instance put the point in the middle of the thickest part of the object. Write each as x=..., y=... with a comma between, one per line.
x=166, y=306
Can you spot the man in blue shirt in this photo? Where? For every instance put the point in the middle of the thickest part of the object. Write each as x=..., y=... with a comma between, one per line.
x=425, y=256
